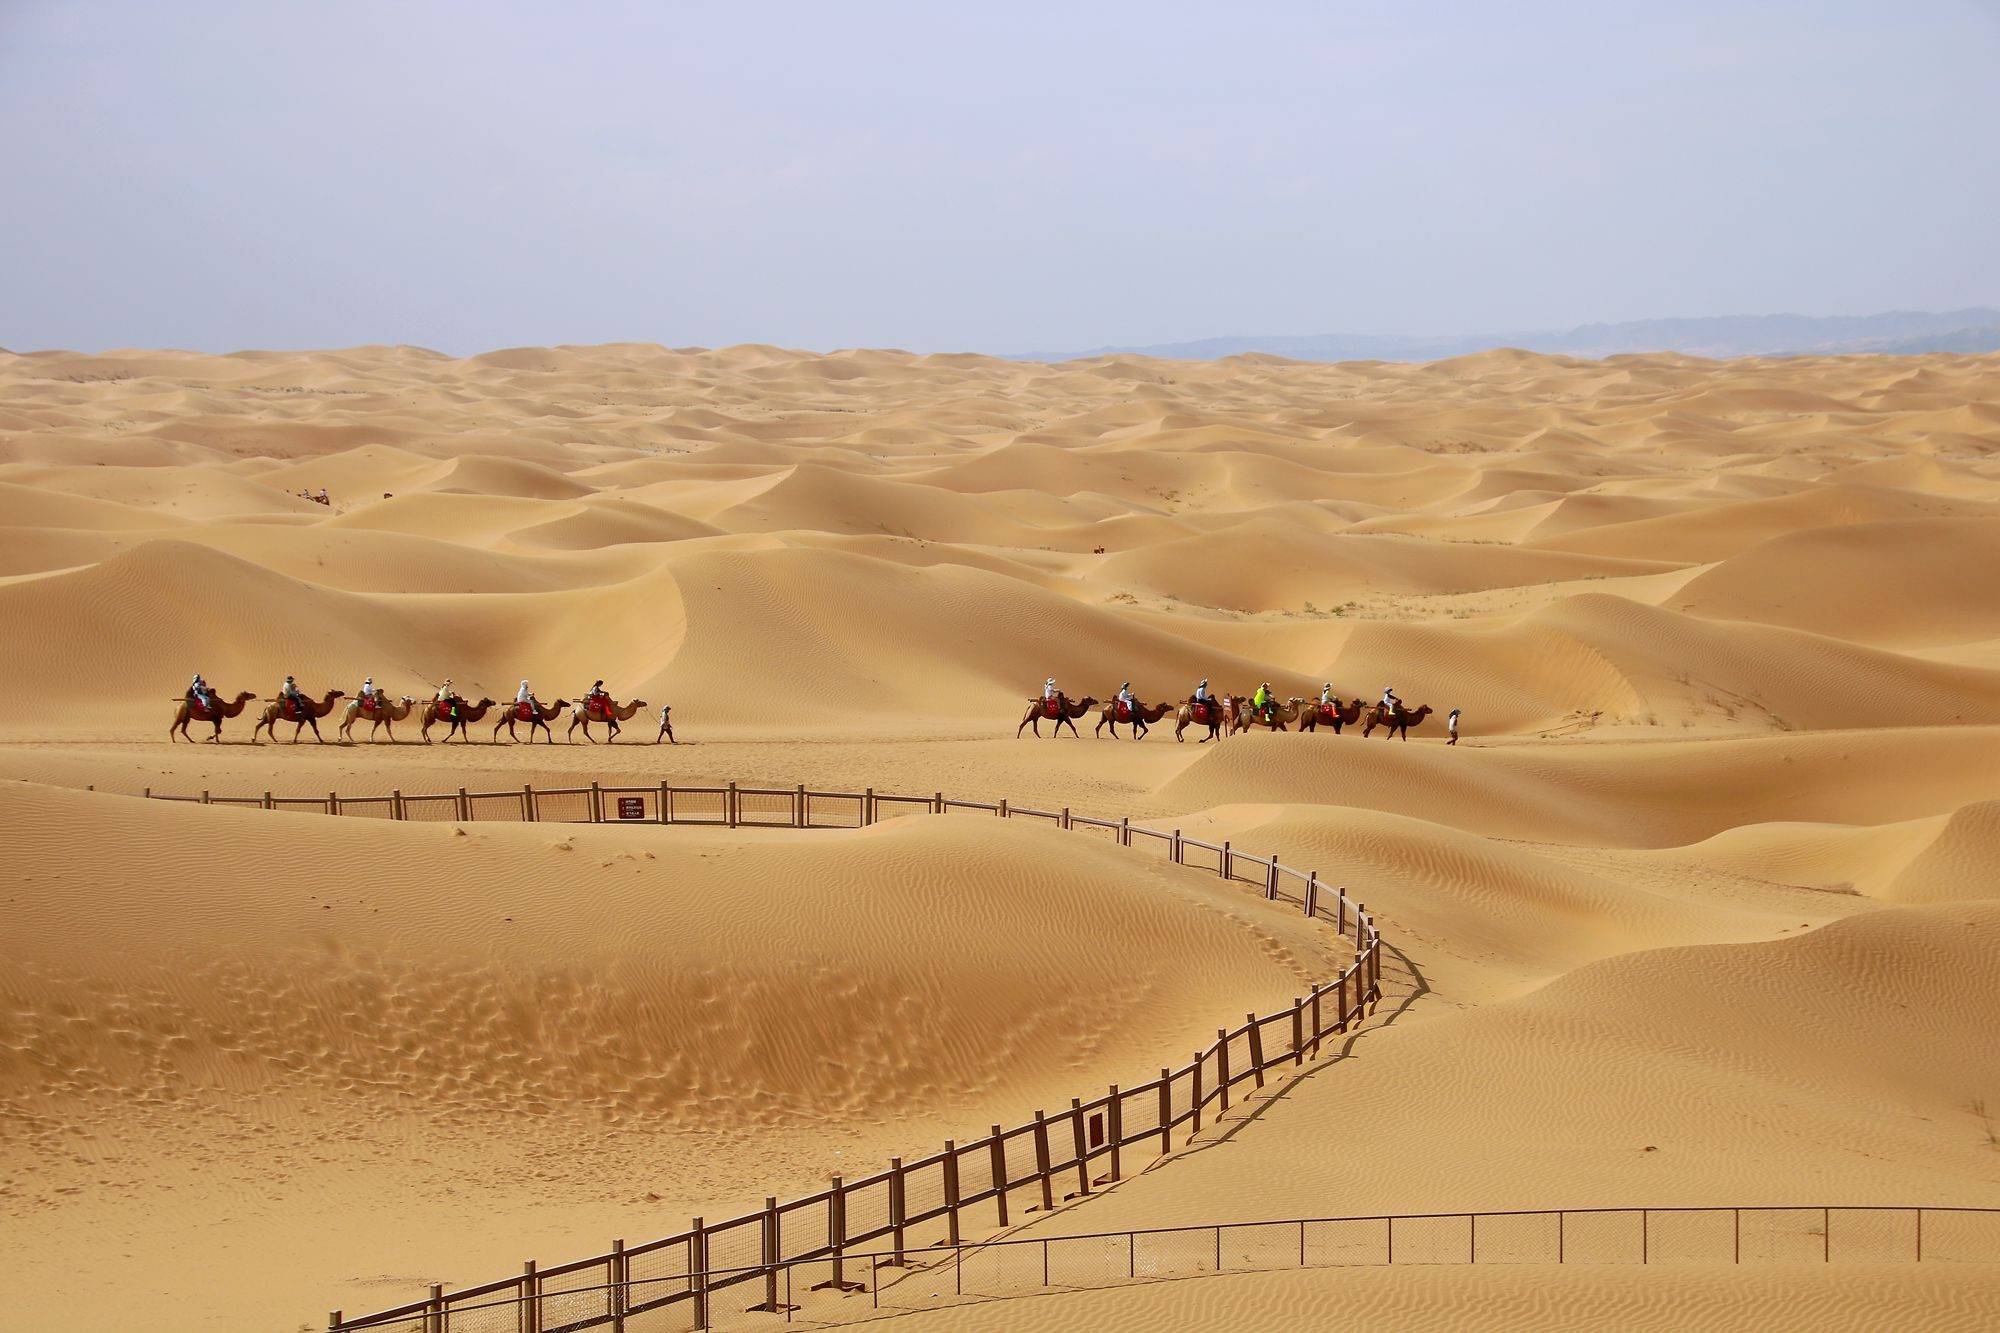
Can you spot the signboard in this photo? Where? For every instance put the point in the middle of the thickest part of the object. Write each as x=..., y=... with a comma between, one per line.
x=631, y=807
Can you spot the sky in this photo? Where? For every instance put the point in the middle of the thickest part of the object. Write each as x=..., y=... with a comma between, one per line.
x=999, y=178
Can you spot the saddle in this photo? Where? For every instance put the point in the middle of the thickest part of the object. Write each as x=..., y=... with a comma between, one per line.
x=525, y=712
x=201, y=712
x=598, y=710
x=1203, y=713
x=369, y=707
x=448, y=709
x=289, y=708
x=1123, y=711
x=1052, y=707
x=1329, y=713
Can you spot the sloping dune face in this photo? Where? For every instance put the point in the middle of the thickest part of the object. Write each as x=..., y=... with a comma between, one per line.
x=1700, y=910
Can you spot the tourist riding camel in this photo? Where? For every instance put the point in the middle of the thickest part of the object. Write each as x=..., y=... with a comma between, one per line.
x=455, y=713
x=294, y=707
x=1055, y=706
x=200, y=704
x=1398, y=720
x=528, y=709
x=1126, y=708
x=599, y=706
x=384, y=714
x=1264, y=702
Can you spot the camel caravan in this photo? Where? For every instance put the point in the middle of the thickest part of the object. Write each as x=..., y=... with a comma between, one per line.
x=1221, y=715
x=202, y=703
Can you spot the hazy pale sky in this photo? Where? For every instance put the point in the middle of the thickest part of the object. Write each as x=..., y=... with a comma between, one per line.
x=1002, y=178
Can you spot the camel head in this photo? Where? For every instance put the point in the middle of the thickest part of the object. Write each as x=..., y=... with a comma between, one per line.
x=558, y=706
x=639, y=703
x=409, y=699
x=1089, y=702
x=484, y=703
x=245, y=697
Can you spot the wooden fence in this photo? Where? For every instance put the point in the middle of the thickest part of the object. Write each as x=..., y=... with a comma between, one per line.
x=914, y=1204
x=1019, y=1265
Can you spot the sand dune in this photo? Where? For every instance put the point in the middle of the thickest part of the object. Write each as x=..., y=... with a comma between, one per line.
x=1699, y=911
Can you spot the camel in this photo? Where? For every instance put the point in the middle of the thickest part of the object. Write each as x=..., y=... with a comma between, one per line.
x=1398, y=723
x=1060, y=711
x=1218, y=712
x=1141, y=717
x=276, y=712
x=461, y=714
x=386, y=714
x=1335, y=715
x=618, y=713
x=539, y=721
x=1248, y=717
x=184, y=713
x=666, y=726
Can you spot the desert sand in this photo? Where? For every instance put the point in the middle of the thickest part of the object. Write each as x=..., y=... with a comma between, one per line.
x=1700, y=911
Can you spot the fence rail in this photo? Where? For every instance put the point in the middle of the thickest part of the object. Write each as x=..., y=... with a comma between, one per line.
x=831, y=1289
x=926, y=1202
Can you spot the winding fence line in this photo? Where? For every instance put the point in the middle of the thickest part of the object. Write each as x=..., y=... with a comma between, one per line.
x=688, y=1279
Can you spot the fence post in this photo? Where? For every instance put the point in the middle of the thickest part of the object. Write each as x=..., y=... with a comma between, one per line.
x=464, y=806
x=1042, y=1159
x=267, y=797
x=333, y=802
x=1176, y=847
x=434, y=1317
x=531, y=1299
x=530, y=810
x=1065, y=816
x=1002, y=812
x=1298, y=1032
x=951, y=1190
x=1271, y=881
x=1222, y=1065
x=799, y=807
x=1114, y=1127
x=666, y=804
x=1194, y=1126
x=621, y=1292
x=1360, y=925
x=1166, y=1111
x=1000, y=1173
x=1340, y=924
x=1223, y=868
x=149, y=796
x=396, y=803
x=1256, y=1047
x=1082, y=1146
x=937, y=803
x=1340, y=1019
x=1317, y=1029
x=333, y=1319
x=729, y=806
x=770, y=1247
x=867, y=806
x=1125, y=830
x=698, y=1271
x=204, y=796
x=836, y=1232
x=896, y=1208
x=1312, y=894
x=596, y=804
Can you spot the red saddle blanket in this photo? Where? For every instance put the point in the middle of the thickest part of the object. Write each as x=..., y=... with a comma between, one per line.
x=1203, y=714
x=293, y=710
x=598, y=711
x=1328, y=713
x=201, y=713
x=525, y=712
x=1123, y=712
x=1052, y=708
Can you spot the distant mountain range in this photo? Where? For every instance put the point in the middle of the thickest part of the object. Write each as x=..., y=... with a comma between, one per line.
x=1901, y=332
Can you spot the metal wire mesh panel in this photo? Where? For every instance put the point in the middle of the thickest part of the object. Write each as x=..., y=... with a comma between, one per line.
x=975, y=1172
x=1274, y=1031
x=1780, y=1235
x=1262, y=1245
x=631, y=804
x=697, y=805
x=675, y=1318
x=867, y=1205
x=1872, y=1235
x=833, y=810
x=734, y=1246
x=1516, y=1238
x=1181, y=1095
x=496, y=807
x=436, y=809
x=576, y=1299
x=765, y=808
x=1139, y=1117
x=1241, y=1066
x=1088, y=1261
x=365, y=807
x=923, y=1205
x=1706, y=1237
x=415, y=1323
x=1349, y=1241
x=1166, y=1253
x=891, y=807
x=563, y=805
x=1961, y=1237
x=1102, y=830
x=499, y=1312
x=659, y=1274
x=1604, y=1238
x=1431, y=1240
x=998, y=1270
x=803, y=1228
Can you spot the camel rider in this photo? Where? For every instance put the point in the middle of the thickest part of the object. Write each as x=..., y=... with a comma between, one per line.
x=598, y=698
x=370, y=701
x=524, y=698
x=1201, y=694
x=1126, y=701
x=199, y=694
x=1263, y=701
x=1326, y=695
x=288, y=693
x=1390, y=703
x=1049, y=690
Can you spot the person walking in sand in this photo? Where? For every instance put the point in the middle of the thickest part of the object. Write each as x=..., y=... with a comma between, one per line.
x=1451, y=721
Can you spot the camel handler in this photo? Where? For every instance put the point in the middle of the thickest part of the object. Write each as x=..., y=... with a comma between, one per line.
x=1451, y=721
